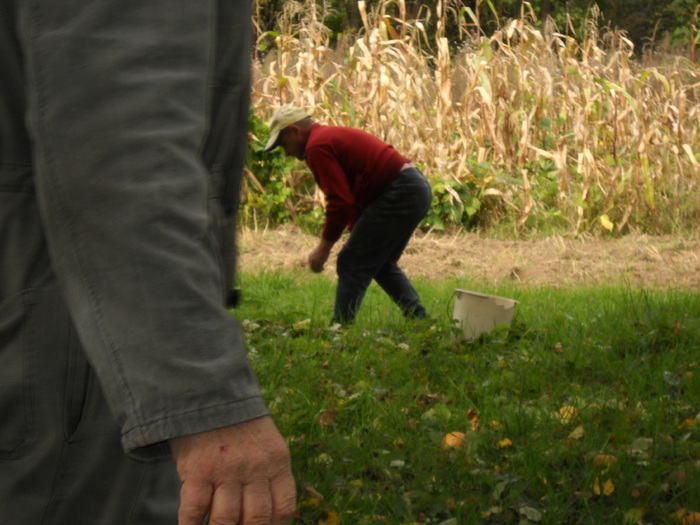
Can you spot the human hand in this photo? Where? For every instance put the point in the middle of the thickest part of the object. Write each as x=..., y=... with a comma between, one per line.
x=240, y=474
x=319, y=256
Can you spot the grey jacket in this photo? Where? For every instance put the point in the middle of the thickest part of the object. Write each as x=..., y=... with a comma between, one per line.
x=134, y=192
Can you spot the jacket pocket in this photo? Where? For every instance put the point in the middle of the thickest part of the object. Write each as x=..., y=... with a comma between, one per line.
x=78, y=381
x=16, y=420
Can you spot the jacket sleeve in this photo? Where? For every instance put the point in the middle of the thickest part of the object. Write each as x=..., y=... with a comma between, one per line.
x=136, y=222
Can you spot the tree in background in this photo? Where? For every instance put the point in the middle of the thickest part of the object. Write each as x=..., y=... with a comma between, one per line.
x=645, y=21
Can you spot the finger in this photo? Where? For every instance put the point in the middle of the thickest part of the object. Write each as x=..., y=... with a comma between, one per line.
x=195, y=500
x=226, y=504
x=257, y=502
x=283, y=497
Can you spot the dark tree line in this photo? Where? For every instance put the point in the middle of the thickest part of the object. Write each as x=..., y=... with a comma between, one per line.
x=675, y=21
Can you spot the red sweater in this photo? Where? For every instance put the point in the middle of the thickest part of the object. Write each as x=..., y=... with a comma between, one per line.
x=351, y=167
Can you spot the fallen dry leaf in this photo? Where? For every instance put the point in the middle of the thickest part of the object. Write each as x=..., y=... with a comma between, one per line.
x=577, y=433
x=677, y=477
x=491, y=512
x=533, y=515
x=633, y=516
x=327, y=418
x=688, y=424
x=606, y=489
x=505, y=443
x=310, y=492
x=474, y=419
x=567, y=413
x=687, y=517
x=453, y=440
x=603, y=460
x=301, y=325
x=642, y=447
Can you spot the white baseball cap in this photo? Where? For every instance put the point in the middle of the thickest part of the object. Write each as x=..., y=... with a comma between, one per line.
x=284, y=116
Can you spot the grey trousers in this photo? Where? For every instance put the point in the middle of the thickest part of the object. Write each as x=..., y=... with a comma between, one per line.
x=62, y=458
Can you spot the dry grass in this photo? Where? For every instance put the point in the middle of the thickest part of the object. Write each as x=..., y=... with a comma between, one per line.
x=541, y=128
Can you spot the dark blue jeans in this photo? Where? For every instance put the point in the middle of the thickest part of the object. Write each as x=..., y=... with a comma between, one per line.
x=376, y=244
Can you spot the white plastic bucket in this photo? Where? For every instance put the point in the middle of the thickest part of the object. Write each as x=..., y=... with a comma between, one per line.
x=477, y=313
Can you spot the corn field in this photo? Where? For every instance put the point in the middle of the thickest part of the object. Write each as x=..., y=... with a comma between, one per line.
x=529, y=128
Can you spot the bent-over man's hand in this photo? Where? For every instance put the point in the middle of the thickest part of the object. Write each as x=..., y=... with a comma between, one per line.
x=319, y=255
x=239, y=474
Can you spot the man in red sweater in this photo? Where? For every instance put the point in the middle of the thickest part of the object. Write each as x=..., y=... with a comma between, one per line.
x=371, y=189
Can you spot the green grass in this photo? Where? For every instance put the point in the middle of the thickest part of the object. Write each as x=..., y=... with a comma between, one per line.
x=365, y=409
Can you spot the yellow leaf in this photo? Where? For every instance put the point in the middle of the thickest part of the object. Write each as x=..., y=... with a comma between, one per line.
x=607, y=488
x=496, y=425
x=577, y=433
x=567, y=413
x=453, y=440
x=605, y=222
x=505, y=443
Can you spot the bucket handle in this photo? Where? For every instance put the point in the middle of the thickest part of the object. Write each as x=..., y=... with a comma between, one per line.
x=449, y=306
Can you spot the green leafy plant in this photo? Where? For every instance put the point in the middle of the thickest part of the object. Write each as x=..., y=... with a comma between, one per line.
x=267, y=192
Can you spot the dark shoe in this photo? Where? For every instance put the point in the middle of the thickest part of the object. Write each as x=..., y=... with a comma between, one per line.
x=417, y=312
